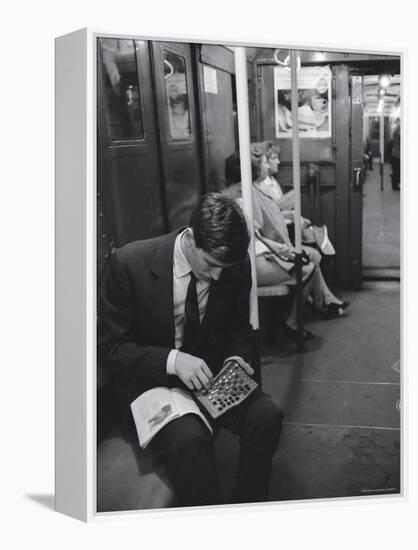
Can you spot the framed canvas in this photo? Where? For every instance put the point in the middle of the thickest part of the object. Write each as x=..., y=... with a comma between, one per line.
x=180, y=159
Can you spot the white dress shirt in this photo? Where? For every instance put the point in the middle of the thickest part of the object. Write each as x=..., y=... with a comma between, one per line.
x=181, y=279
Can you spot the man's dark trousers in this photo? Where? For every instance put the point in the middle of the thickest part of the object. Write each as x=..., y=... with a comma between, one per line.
x=186, y=448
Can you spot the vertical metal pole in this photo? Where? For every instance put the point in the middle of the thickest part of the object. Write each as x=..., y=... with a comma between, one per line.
x=296, y=187
x=365, y=126
x=247, y=195
x=381, y=148
x=365, y=136
x=246, y=179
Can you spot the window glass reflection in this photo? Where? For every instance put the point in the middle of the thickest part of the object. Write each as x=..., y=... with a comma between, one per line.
x=121, y=87
x=177, y=95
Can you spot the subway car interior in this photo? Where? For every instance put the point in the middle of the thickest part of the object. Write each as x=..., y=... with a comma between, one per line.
x=167, y=120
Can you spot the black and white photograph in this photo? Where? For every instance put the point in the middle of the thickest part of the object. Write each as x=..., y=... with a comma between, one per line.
x=208, y=310
x=248, y=278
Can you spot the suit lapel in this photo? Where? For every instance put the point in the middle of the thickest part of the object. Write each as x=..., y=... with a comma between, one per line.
x=162, y=289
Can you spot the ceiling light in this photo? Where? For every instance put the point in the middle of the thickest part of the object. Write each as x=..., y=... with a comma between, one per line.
x=384, y=80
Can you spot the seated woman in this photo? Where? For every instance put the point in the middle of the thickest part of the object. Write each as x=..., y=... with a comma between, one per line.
x=270, y=270
x=270, y=185
x=270, y=222
x=311, y=235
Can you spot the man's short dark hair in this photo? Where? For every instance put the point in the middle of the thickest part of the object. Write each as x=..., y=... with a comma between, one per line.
x=233, y=170
x=220, y=229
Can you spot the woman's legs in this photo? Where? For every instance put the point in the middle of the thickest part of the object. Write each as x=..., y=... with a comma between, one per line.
x=321, y=293
x=269, y=272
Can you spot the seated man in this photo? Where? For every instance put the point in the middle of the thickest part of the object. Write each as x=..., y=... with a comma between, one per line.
x=172, y=310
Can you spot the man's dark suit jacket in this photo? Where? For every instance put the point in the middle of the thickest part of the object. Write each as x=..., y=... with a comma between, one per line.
x=136, y=318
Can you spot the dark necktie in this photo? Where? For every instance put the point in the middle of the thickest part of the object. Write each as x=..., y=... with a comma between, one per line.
x=191, y=313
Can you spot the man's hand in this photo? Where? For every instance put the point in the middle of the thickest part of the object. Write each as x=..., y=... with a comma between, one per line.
x=242, y=363
x=192, y=371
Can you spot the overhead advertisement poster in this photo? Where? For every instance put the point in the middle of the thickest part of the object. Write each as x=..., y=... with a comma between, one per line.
x=314, y=105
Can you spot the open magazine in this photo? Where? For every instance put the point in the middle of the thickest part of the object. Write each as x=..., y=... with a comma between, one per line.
x=157, y=407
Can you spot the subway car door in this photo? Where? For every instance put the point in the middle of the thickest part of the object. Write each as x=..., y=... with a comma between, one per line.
x=217, y=98
x=130, y=203
x=180, y=148
x=349, y=176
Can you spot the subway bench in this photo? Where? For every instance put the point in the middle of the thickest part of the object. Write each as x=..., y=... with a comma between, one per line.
x=129, y=479
x=273, y=290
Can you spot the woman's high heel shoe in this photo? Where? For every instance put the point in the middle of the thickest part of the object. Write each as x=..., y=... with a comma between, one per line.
x=332, y=311
x=329, y=311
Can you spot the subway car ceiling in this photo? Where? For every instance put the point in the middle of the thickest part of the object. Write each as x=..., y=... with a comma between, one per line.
x=167, y=120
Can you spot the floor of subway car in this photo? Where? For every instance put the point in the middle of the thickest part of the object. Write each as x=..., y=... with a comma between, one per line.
x=341, y=398
x=381, y=226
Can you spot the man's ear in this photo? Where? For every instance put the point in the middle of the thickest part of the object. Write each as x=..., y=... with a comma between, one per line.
x=190, y=235
x=190, y=242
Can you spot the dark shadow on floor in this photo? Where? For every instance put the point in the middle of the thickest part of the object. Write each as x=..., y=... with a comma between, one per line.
x=47, y=501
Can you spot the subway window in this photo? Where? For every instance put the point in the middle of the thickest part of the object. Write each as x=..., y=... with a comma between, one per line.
x=177, y=96
x=121, y=89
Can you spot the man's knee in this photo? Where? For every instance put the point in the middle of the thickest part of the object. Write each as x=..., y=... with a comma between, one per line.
x=189, y=459
x=184, y=439
x=272, y=418
x=265, y=420
x=192, y=443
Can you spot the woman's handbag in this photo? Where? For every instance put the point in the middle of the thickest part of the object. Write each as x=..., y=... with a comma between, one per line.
x=283, y=255
x=319, y=236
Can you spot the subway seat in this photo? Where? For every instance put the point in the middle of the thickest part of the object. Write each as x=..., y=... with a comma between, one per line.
x=129, y=479
x=272, y=290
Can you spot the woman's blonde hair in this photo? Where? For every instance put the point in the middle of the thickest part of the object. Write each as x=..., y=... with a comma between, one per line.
x=260, y=148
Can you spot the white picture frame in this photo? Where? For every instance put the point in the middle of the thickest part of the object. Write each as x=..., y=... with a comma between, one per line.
x=76, y=293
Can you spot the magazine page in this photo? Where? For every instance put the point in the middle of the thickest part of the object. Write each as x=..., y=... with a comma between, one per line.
x=155, y=408
x=152, y=410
